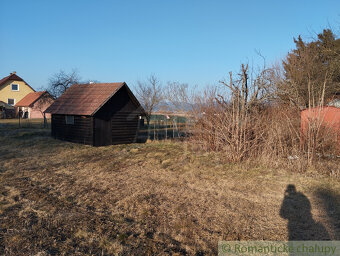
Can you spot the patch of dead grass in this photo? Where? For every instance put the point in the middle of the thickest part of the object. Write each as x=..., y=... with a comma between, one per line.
x=154, y=198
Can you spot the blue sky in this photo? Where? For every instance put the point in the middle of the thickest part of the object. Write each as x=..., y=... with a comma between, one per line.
x=195, y=42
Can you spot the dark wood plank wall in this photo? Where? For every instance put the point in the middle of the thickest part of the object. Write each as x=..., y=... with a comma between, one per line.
x=123, y=114
x=124, y=127
x=102, y=132
x=80, y=132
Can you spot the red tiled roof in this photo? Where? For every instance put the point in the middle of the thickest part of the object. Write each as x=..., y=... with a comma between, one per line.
x=29, y=99
x=13, y=77
x=84, y=99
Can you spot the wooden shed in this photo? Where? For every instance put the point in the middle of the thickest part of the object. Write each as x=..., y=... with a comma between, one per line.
x=96, y=114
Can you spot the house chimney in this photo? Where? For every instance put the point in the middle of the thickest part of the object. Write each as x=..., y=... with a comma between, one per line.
x=14, y=72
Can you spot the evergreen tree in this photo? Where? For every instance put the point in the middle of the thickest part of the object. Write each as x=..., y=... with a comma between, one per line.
x=310, y=68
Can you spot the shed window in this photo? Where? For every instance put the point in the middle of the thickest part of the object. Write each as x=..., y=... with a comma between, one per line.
x=11, y=102
x=15, y=87
x=69, y=119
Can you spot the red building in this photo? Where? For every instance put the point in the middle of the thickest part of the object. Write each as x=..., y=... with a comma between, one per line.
x=34, y=104
x=328, y=117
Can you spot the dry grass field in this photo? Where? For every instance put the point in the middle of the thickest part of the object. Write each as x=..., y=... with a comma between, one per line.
x=159, y=198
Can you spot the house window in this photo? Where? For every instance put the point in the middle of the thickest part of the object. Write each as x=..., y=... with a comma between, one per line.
x=11, y=102
x=15, y=87
x=69, y=119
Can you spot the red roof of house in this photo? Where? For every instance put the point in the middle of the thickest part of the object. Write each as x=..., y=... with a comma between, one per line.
x=13, y=76
x=84, y=99
x=29, y=99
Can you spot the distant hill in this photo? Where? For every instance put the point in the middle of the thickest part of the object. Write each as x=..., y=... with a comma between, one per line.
x=174, y=107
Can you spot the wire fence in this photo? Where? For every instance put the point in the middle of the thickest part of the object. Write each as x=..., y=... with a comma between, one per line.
x=16, y=123
x=164, y=127
x=161, y=127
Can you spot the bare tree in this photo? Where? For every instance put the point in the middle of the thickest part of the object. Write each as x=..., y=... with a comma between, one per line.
x=150, y=94
x=60, y=81
x=179, y=97
x=43, y=103
x=179, y=102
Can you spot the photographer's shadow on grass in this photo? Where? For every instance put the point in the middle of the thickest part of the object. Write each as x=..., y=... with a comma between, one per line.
x=296, y=208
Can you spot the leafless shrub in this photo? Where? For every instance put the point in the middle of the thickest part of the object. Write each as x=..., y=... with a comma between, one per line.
x=318, y=136
x=234, y=124
x=307, y=77
x=245, y=121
